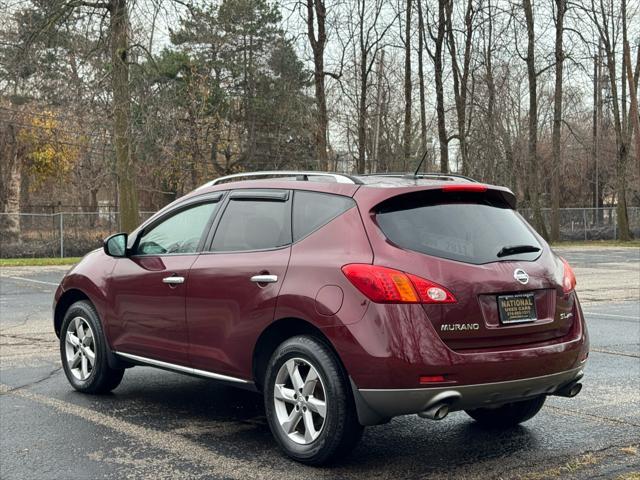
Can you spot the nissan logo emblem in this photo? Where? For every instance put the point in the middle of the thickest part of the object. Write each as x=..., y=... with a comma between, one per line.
x=521, y=276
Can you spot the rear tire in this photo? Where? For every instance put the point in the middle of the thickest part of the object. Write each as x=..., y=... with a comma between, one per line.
x=309, y=381
x=508, y=415
x=83, y=351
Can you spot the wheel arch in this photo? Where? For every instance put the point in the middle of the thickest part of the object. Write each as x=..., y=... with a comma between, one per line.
x=68, y=298
x=276, y=333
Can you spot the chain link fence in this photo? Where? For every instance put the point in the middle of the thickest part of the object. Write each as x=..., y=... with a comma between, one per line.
x=71, y=234
x=62, y=234
x=578, y=224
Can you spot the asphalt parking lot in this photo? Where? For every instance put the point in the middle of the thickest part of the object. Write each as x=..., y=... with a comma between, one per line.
x=161, y=425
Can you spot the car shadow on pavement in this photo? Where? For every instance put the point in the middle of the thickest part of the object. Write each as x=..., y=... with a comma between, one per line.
x=231, y=421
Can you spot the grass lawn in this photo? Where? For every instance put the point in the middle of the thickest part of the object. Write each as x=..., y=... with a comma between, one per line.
x=598, y=243
x=37, y=262
x=41, y=262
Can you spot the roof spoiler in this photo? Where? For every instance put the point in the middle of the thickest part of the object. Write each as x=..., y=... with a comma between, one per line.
x=507, y=195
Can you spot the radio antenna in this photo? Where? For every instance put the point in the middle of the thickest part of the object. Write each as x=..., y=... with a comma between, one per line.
x=424, y=155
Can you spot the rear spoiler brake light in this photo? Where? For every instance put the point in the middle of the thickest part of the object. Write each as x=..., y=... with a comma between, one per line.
x=461, y=187
x=506, y=194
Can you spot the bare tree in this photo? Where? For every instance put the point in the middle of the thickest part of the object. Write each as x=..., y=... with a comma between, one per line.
x=436, y=54
x=595, y=128
x=317, y=34
x=407, y=86
x=632, y=80
x=604, y=17
x=532, y=145
x=461, y=75
x=561, y=7
x=221, y=97
x=371, y=29
x=423, y=107
x=375, y=160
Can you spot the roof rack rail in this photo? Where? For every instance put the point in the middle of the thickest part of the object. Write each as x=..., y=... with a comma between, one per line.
x=299, y=176
x=450, y=176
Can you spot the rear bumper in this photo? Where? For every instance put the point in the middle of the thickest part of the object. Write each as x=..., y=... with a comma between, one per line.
x=378, y=405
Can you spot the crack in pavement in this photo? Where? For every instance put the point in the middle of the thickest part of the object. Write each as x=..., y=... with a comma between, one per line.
x=613, y=352
x=23, y=337
x=590, y=416
x=22, y=323
x=30, y=384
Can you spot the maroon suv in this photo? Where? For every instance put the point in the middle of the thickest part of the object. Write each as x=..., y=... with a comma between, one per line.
x=345, y=300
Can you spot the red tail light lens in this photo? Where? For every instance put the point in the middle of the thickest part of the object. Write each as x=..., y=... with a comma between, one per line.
x=463, y=187
x=431, y=292
x=424, y=379
x=568, y=277
x=386, y=285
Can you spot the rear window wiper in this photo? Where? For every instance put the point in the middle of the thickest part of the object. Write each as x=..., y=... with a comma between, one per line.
x=513, y=249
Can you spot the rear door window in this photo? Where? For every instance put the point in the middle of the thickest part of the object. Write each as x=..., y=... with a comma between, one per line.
x=254, y=222
x=312, y=210
x=467, y=227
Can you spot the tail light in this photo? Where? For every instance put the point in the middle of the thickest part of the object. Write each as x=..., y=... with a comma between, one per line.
x=386, y=285
x=568, y=277
x=425, y=379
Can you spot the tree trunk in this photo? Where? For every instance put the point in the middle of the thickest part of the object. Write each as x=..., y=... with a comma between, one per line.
x=557, y=171
x=622, y=140
x=376, y=134
x=423, y=108
x=532, y=145
x=128, y=198
x=362, y=116
x=440, y=111
x=461, y=77
x=620, y=129
x=251, y=85
x=594, y=136
x=491, y=98
x=93, y=206
x=10, y=151
x=633, y=94
x=407, y=88
x=599, y=114
x=316, y=12
x=321, y=131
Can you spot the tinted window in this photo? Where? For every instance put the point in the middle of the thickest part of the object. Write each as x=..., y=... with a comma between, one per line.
x=180, y=233
x=251, y=224
x=311, y=210
x=470, y=228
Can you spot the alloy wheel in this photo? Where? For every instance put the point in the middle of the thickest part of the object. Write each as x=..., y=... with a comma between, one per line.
x=80, y=348
x=300, y=401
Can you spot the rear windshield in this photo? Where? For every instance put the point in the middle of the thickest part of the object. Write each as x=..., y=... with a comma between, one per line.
x=464, y=226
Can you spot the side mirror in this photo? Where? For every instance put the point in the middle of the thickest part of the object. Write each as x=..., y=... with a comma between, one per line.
x=116, y=245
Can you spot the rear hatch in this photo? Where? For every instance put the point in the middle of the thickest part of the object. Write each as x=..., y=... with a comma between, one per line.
x=506, y=281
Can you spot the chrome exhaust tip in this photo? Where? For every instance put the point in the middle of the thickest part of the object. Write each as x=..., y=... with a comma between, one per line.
x=570, y=390
x=437, y=412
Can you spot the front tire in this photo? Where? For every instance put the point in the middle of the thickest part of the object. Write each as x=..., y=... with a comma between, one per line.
x=508, y=415
x=308, y=402
x=83, y=351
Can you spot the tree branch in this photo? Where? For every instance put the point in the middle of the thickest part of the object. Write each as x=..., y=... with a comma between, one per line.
x=80, y=3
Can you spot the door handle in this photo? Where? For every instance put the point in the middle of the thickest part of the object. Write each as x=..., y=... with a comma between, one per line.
x=264, y=278
x=173, y=280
